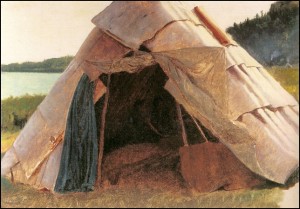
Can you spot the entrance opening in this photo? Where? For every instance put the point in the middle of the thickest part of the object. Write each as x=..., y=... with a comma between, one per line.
x=142, y=124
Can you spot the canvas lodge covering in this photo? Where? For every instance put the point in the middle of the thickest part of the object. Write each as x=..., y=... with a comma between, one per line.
x=219, y=84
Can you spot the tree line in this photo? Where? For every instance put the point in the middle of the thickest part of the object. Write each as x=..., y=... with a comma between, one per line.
x=54, y=65
x=273, y=37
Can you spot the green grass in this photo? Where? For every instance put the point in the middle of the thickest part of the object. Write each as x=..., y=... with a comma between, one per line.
x=288, y=79
x=24, y=196
x=22, y=106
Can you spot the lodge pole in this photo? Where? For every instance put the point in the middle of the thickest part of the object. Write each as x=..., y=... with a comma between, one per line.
x=183, y=132
x=200, y=129
x=102, y=130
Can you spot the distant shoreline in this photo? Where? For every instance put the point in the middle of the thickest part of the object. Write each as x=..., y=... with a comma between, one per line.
x=2, y=71
x=53, y=65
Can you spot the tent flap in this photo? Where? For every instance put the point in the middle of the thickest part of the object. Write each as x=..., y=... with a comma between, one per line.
x=204, y=68
x=104, y=49
x=255, y=151
x=132, y=64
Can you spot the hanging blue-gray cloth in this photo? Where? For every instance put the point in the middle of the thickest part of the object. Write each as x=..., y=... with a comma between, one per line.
x=78, y=166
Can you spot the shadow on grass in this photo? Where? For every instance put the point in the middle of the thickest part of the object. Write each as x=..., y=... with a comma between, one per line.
x=19, y=195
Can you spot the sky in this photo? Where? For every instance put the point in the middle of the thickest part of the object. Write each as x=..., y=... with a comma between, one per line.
x=34, y=31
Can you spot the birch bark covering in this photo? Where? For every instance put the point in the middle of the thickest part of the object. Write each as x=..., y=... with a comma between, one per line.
x=223, y=87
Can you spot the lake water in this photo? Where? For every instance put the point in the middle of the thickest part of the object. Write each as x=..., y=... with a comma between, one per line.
x=17, y=84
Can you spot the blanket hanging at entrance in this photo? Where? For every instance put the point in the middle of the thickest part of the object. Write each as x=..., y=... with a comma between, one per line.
x=78, y=168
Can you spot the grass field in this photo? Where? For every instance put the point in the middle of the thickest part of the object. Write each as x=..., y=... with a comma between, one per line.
x=288, y=78
x=23, y=107
x=141, y=196
x=24, y=196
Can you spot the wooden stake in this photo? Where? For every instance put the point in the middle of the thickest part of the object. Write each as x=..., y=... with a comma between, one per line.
x=200, y=129
x=183, y=132
x=102, y=130
x=12, y=176
x=11, y=172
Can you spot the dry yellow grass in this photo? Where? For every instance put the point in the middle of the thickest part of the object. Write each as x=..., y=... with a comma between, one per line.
x=7, y=139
